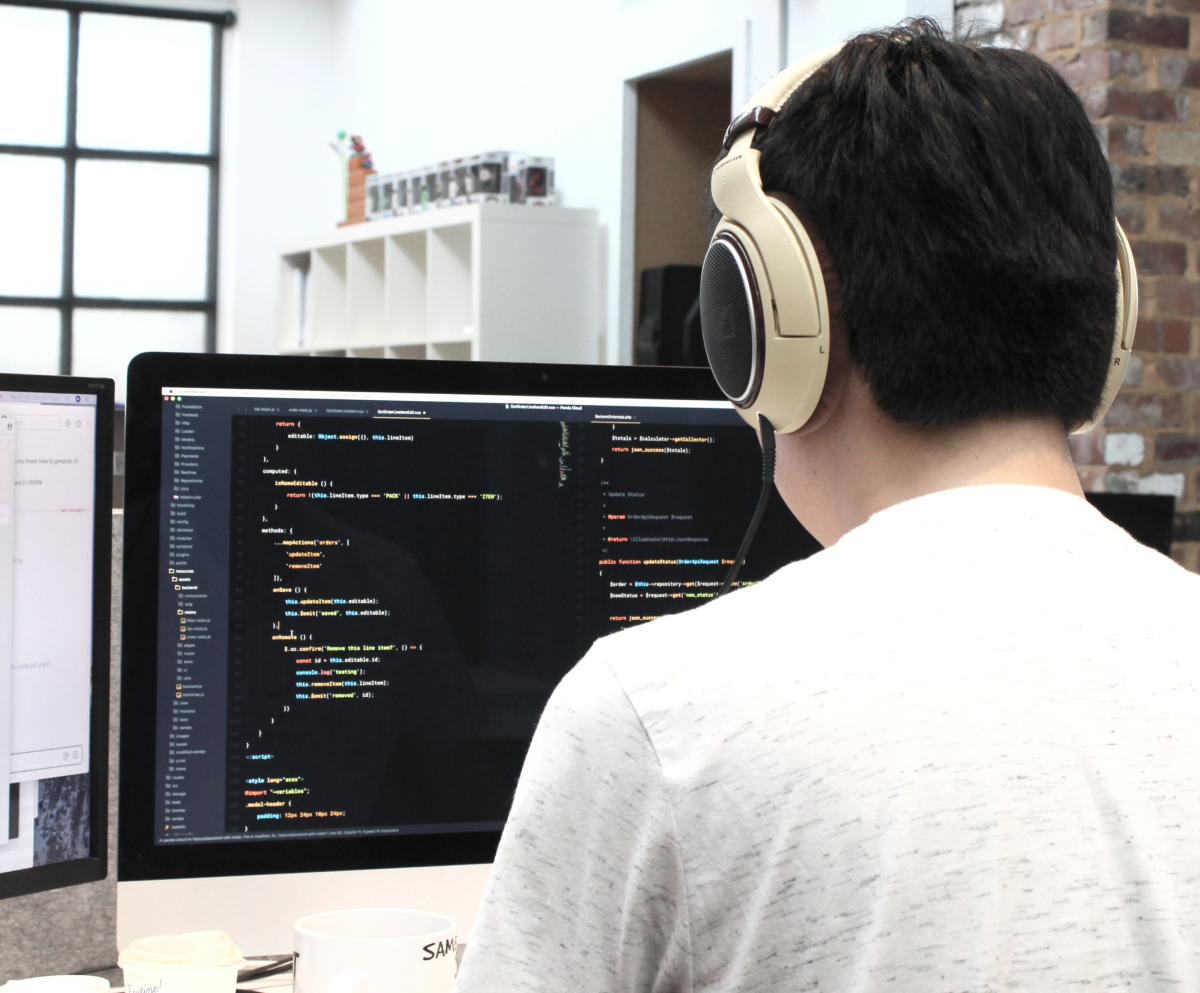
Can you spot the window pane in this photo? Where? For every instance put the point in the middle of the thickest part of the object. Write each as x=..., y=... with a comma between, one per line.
x=144, y=83
x=33, y=76
x=31, y=220
x=103, y=341
x=141, y=230
x=29, y=340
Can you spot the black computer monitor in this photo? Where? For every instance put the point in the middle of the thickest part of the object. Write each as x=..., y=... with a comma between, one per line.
x=56, y=445
x=351, y=585
x=1149, y=518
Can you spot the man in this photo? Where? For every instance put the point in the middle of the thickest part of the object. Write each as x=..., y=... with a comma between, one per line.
x=958, y=749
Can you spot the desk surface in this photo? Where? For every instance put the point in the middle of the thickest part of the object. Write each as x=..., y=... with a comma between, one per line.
x=279, y=983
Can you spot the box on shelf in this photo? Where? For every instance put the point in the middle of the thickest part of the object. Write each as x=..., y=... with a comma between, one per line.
x=417, y=195
x=486, y=178
x=359, y=174
x=381, y=191
x=445, y=183
x=433, y=186
x=531, y=180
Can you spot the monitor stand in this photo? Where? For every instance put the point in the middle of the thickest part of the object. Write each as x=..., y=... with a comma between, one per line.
x=259, y=911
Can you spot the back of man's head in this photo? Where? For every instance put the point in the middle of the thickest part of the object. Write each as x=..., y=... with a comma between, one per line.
x=967, y=209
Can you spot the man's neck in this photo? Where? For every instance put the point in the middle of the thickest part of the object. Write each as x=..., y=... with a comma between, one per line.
x=859, y=461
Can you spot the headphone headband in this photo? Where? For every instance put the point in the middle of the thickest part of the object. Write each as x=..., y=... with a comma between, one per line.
x=769, y=100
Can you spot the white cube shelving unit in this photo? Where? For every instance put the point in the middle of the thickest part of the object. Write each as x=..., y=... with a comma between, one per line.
x=478, y=281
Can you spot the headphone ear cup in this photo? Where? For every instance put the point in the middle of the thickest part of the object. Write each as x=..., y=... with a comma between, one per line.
x=1127, y=302
x=731, y=318
x=764, y=316
x=1123, y=331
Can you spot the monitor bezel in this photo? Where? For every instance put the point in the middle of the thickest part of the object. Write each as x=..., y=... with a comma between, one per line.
x=138, y=857
x=94, y=867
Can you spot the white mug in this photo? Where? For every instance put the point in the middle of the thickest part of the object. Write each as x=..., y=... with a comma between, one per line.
x=375, y=951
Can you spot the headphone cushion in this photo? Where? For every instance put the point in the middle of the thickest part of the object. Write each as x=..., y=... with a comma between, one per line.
x=731, y=319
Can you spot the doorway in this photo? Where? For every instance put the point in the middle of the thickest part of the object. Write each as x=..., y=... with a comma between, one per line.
x=682, y=114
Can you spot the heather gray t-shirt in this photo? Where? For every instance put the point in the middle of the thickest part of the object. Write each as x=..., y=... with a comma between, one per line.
x=957, y=751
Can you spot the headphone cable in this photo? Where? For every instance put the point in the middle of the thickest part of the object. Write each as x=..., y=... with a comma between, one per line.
x=767, y=431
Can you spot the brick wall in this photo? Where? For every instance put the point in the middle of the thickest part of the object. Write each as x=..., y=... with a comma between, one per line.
x=1137, y=68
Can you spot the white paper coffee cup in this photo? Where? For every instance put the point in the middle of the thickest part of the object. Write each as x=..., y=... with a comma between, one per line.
x=199, y=962
x=375, y=951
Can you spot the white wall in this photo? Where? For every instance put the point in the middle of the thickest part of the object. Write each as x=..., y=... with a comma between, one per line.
x=279, y=177
x=817, y=24
x=421, y=85
x=423, y=82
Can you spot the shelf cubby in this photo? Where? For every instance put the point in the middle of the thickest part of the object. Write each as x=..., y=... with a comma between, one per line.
x=364, y=291
x=455, y=350
x=450, y=297
x=495, y=281
x=406, y=268
x=328, y=295
x=405, y=352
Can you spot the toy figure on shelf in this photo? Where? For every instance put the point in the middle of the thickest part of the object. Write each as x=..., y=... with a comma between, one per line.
x=356, y=168
x=357, y=148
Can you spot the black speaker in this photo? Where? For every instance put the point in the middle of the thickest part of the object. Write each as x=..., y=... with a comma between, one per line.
x=1149, y=519
x=668, y=330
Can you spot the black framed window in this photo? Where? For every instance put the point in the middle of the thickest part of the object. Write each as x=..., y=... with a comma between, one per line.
x=110, y=123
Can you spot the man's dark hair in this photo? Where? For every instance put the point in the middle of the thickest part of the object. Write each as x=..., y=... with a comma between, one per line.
x=967, y=209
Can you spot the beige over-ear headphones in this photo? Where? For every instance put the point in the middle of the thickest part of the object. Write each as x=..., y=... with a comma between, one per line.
x=764, y=314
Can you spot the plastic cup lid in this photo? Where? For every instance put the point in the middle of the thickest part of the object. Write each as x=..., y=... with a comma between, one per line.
x=211, y=949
